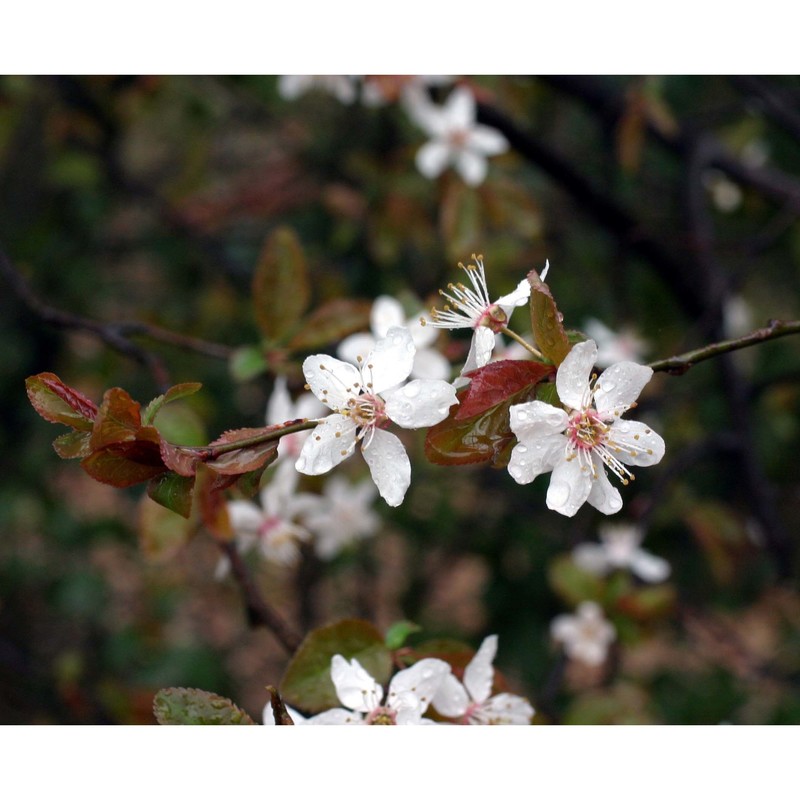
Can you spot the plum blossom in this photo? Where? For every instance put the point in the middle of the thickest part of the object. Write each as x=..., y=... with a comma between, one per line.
x=579, y=443
x=280, y=408
x=471, y=307
x=613, y=346
x=619, y=548
x=472, y=702
x=343, y=87
x=456, y=137
x=342, y=515
x=585, y=635
x=407, y=699
x=364, y=402
x=270, y=527
x=388, y=313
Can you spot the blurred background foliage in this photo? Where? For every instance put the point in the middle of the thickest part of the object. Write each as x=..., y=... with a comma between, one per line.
x=668, y=206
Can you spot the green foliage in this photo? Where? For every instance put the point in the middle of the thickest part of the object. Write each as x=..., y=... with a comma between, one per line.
x=196, y=707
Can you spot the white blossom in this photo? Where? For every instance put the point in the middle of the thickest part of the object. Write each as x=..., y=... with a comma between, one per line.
x=579, y=443
x=619, y=548
x=342, y=515
x=407, y=699
x=342, y=87
x=613, y=346
x=363, y=402
x=472, y=307
x=472, y=702
x=388, y=313
x=585, y=635
x=456, y=137
x=270, y=528
x=281, y=408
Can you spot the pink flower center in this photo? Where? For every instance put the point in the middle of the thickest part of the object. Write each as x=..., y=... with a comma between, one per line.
x=493, y=318
x=382, y=715
x=367, y=410
x=586, y=430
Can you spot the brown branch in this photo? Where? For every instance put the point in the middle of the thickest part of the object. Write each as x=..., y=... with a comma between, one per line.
x=678, y=365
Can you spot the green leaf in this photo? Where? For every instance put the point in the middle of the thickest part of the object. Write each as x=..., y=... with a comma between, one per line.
x=307, y=682
x=331, y=322
x=548, y=330
x=162, y=533
x=173, y=492
x=173, y=393
x=572, y=584
x=57, y=402
x=74, y=444
x=196, y=707
x=247, y=363
x=398, y=633
x=623, y=704
x=281, y=290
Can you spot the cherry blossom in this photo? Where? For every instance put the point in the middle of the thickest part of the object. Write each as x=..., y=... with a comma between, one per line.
x=343, y=87
x=472, y=702
x=613, y=346
x=585, y=635
x=471, y=307
x=270, y=527
x=579, y=443
x=456, y=137
x=280, y=408
x=363, y=402
x=342, y=515
x=388, y=313
x=407, y=699
x=619, y=548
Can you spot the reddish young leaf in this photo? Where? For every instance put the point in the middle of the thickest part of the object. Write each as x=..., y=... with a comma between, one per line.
x=548, y=330
x=74, y=444
x=495, y=382
x=118, y=419
x=57, y=402
x=212, y=506
x=124, y=464
x=248, y=458
x=182, y=460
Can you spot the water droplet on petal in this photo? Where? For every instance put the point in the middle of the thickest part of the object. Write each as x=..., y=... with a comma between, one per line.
x=411, y=390
x=558, y=494
x=521, y=448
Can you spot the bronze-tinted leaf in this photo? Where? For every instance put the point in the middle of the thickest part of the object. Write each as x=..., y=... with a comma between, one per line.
x=331, y=322
x=118, y=419
x=249, y=456
x=57, y=402
x=196, y=707
x=74, y=444
x=281, y=290
x=493, y=383
x=182, y=460
x=125, y=464
x=548, y=330
x=211, y=504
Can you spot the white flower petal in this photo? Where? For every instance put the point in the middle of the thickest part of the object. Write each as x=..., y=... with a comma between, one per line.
x=355, y=687
x=460, y=108
x=432, y=158
x=336, y=716
x=483, y=341
x=508, y=709
x=330, y=443
x=472, y=167
x=635, y=444
x=519, y=297
x=389, y=466
x=532, y=458
x=355, y=345
x=649, y=568
x=572, y=378
x=420, y=403
x=591, y=557
x=422, y=335
x=279, y=407
x=479, y=673
x=245, y=516
x=569, y=487
x=620, y=385
x=332, y=381
x=415, y=687
x=603, y=496
x=451, y=699
x=390, y=361
x=486, y=140
x=533, y=420
x=386, y=313
x=430, y=365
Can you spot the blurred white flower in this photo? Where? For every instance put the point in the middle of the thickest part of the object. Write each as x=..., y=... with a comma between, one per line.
x=613, y=346
x=471, y=307
x=619, y=548
x=270, y=527
x=342, y=515
x=363, y=402
x=472, y=702
x=725, y=194
x=579, y=444
x=407, y=699
x=456, y=137
x=585, y=635
x=281, y=408
x=388, y=313
x=378, y=90
x=342, y=87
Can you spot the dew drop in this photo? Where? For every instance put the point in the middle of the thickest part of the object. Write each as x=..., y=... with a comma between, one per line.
x=558, y=494
x=521, y=448
x=411, y=390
